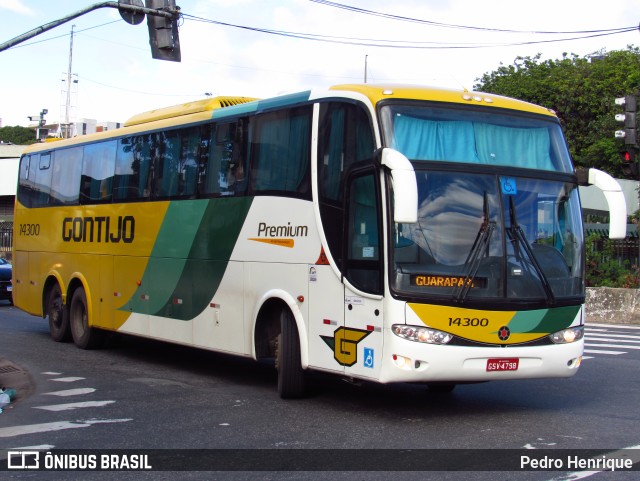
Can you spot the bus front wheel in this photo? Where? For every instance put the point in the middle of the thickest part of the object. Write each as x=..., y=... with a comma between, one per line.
x=84, y=336
x=57, y=314
x=288, y=359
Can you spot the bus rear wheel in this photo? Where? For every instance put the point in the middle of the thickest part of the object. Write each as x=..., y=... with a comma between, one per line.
x=288, y=359
x=58, y=317
x=84, y=336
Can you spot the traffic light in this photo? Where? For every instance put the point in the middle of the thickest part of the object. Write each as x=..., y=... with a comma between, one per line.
x=163, y=32
x=629, y=157
x=630, y=133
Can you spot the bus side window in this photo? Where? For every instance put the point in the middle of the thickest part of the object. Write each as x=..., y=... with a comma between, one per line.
x=98, y=168
x=133, y=161
x=202, y=159
x=188, y=166
x=226, y=169
x=26, y=179
x=65, y=176
x=167, y=164
x=281, y=152
x=40, y=173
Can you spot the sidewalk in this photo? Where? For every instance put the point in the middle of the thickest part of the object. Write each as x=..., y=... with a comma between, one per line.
x=15, y=377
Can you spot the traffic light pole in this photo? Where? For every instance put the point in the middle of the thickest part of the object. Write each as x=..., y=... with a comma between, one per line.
x=170, y=14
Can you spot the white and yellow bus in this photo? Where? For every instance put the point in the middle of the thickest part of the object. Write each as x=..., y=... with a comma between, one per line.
x=391, y=234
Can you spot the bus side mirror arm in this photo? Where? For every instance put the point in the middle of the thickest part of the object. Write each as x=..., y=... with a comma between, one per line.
x=405, y=187
x=615, y=199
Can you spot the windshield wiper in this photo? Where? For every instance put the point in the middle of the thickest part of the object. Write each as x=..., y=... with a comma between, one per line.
x=519, y=239
x=483, y=239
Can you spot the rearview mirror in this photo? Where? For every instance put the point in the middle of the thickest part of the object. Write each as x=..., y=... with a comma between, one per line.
x=405, y=188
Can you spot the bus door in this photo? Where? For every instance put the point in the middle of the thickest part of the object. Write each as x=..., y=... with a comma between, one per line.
x=360, y=343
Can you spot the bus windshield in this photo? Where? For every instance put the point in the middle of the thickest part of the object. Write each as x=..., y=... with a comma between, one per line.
x=497, y=235
x=427, y=132
x=490, y=237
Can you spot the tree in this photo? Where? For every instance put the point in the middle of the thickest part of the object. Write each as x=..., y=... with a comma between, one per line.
x=581, y=91
x=18, y=135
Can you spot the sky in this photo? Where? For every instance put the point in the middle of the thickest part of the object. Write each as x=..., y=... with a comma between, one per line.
x=117, y=77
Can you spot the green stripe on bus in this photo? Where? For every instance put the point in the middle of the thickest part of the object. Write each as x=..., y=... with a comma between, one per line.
x=189, y=258
x=543, y=320
x=208, y=258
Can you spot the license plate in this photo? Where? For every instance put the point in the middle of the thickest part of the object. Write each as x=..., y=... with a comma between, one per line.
x=507, y=364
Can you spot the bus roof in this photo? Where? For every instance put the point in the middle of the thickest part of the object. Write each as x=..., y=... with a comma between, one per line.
x=201, y=110
x=377, y=93
x=186, y=109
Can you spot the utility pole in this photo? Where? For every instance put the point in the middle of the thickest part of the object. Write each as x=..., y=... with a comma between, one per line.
x=66, y=130
x=366, y=57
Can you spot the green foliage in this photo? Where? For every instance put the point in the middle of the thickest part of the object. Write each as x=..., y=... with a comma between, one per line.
x=18, y=135
x=603, y=269
x=581, y=91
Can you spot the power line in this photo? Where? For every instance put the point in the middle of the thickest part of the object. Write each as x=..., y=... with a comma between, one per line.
x=408, y=44
x=397, y=44
x=468, y=27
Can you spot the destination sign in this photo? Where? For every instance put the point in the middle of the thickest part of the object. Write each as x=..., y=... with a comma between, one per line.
x=438, y=280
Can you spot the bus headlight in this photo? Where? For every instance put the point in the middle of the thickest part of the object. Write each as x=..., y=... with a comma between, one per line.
x=421, y=334
x=566, y=336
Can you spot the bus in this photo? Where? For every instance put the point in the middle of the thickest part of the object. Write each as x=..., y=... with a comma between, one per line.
x=380, y=233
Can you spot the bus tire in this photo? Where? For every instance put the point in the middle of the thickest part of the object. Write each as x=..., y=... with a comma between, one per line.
x=58, y=315
x=84, y=336
x=288, y=359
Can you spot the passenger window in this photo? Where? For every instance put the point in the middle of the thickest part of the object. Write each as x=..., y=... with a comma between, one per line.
x=281, y=151
x=188, y=168
x=226, y=172
x=65, y=176
x=98, y=169
x=133, y=165
x=175, y=163
x=167, y=161
x=35, y=180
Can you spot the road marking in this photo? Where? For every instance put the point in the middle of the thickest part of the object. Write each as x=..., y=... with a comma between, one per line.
x=621, y=346
x=598, y=351
x=67, y=379
x=611, y=339
x=55, y=426
x=49, y=373
x=33, y=448
x=72, y=406
x=615, y=326
x=71, y=392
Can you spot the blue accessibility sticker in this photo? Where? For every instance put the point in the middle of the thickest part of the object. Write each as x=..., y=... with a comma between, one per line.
x=368, y=357
x=508, y=185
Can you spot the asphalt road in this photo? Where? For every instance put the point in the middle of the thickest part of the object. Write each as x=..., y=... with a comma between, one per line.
x=139, y=394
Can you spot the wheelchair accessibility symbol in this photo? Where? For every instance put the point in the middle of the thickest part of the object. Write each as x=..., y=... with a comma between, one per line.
x=508, y=185
x=368, y=357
